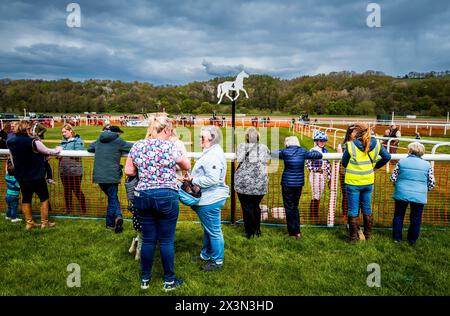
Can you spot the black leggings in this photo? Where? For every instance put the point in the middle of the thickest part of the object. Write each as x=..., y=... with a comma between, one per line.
x=251, y=212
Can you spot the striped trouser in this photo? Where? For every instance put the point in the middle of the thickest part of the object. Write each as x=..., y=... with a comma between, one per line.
x=317, y=182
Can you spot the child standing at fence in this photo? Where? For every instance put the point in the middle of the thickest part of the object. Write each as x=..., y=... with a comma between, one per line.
x=320, y=173
x=12, y=194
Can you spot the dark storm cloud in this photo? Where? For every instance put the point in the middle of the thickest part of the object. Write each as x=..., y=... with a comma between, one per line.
x=177, y=41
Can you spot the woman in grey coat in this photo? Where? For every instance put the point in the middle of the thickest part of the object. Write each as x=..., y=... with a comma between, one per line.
x=71, y=169
x=251, y=180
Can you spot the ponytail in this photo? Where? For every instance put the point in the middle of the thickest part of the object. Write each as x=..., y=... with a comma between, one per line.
x=363, y=134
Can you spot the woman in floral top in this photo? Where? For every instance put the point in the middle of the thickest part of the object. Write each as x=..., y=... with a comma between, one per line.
x=156, y=198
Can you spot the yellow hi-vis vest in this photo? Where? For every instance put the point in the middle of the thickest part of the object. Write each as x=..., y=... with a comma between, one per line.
x=359, y=170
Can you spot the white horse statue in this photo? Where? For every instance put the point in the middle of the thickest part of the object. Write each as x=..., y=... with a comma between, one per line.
x=237, y=85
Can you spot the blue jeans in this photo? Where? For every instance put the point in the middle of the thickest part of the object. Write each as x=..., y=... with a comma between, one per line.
x=13, y=203
x=213, y=242
x=158, y=214
x=415, y=220
x=359, y=196
x=113, y=211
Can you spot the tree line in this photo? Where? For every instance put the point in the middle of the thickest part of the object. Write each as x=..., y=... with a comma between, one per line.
x=338, y=93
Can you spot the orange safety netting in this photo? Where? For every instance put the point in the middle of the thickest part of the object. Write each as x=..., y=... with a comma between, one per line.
x=332, y=204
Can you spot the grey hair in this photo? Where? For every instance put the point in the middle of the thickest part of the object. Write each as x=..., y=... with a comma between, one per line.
x=291, y=141
x=252, y=135
x=215, y=135
x=416, y=148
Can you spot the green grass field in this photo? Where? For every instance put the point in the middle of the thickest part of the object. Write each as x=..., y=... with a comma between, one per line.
x=321, y=263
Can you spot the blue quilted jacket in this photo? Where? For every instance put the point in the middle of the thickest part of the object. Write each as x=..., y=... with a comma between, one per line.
x=294, y=164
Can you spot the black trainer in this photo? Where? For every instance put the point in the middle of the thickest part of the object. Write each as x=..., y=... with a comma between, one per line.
x=119, y=225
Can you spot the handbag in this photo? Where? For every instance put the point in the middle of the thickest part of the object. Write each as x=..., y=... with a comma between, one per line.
x=189, y=193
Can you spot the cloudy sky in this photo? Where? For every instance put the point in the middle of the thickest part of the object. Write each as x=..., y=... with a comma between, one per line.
x=179, y=41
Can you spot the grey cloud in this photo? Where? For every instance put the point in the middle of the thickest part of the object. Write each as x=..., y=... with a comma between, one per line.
x=177, y=41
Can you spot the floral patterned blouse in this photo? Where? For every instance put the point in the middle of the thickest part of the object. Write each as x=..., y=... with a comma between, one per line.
x=155, y=160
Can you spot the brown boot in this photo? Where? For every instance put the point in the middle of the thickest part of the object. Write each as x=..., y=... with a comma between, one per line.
x=352, y=228
x=28, y=214
x=44, y=216
x=368, y=223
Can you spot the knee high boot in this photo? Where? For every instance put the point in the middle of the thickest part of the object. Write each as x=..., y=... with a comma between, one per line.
x=352, y=228
x=28, y=214
x=44, y=216
x=368, y=224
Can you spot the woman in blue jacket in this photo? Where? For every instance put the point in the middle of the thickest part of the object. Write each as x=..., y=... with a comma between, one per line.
x=293, y=179
x=209, y=173
x=413, y=178
x=71, y=169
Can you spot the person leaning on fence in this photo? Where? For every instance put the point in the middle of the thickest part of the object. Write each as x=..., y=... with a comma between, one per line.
x=413, y=177
x=156, y=198
x=38, y=131
x=209, y=174
x=394, y=132
x=28, y=156
x=71, y=169
x=320, y=173
x=251, y=180
x=293, y=179
x=360, y=159
x=108, y=149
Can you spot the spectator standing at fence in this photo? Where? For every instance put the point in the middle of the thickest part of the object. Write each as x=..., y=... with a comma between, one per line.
x=386, y=134
x=156, y=198
x=12, y=193
x=4, y=135
x=394, y=132
x=108, y=149
x=360, y=160
x=413, y=177
x=319, y=173
x=71, y=169
x=293, y=179
x=341, y=148
x=209, y=173
x=251, y=180
x=28, y=155
x=38, y=131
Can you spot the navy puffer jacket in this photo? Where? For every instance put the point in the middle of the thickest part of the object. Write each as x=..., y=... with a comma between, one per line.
x=294, y=164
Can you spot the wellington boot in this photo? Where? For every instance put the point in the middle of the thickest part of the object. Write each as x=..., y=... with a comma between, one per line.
x=352, y=228
x=368, y=223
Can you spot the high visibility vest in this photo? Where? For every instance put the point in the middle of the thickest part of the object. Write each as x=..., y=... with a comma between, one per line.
x=359, y=170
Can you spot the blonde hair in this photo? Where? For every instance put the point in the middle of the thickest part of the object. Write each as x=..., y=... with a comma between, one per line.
x=416, y=149
x=69, y=128
x=291, y=141
x=22, y=127
x=363, y=134
x=156, y=124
